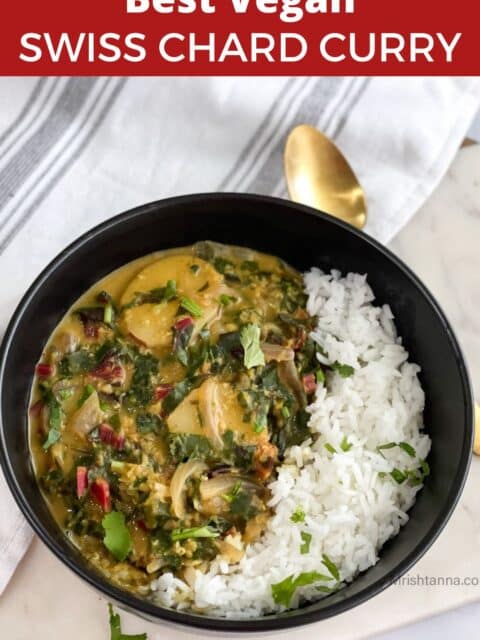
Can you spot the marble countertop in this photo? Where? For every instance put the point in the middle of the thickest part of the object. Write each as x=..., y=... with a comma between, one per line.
x=44, y=600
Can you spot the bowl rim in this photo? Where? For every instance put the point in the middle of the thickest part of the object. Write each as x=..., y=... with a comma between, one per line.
x=270, y=622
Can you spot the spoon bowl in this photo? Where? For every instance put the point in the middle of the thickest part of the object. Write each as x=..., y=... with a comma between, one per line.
x=319, y=176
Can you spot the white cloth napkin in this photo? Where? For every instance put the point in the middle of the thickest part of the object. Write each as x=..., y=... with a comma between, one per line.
x=73, y=152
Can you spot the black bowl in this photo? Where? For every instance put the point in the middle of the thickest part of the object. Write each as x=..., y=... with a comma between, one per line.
x=303, y=237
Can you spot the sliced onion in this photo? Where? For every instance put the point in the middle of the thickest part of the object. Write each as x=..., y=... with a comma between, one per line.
x=277, y=352
x=218, y=486
x=88, y=416
x=211, y=411
x=177, y=485
x=288, y=374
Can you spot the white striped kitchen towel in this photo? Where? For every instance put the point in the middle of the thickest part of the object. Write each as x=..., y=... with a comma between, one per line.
x=75, y=151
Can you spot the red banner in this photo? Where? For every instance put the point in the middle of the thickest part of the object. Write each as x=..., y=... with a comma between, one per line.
x=239, y=37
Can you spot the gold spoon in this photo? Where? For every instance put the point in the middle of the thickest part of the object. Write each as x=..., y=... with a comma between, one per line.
x=318, y=175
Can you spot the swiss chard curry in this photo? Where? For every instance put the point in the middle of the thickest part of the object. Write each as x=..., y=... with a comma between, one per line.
x=164, y=401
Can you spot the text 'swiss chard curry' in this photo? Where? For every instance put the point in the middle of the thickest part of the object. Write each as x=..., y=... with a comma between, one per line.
x=167, y=408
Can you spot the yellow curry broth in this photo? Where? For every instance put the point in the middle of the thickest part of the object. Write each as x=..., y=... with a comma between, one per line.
x=162, y=403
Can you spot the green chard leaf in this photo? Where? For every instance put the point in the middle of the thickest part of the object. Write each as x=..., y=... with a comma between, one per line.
x=148, y=423
x=77, y=362
x=116, y=628
x=186, y=446
x=250, y=341
x=283, y=592
x=179, y=392
x=117, y=537
x=306, y=540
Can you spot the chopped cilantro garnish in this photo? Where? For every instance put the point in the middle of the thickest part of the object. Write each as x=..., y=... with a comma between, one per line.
x=65, y=394
x=195, y=532
x=345, y=445
x=425, y=468
x=116, y=628
x=282, y=592
x=117, y=536
x=344, y=370
x=330, y=448
x=298, y=515
x=191, y=307
x=250, y=341
x=398, y=476
x=233, y=493
x=226, y=300
x=320, y=377
x=108, y=314
x=331, y=566
x=408, y=449
x=306, y=540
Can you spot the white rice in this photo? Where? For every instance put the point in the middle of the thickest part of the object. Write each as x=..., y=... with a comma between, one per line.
x=352, y=503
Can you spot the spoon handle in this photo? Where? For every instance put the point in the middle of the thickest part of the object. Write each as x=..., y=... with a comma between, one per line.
x=476, y=442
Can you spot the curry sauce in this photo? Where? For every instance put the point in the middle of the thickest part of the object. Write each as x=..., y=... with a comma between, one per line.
x=162, y=404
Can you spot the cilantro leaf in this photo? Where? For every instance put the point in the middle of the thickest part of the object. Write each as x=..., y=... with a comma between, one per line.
x=282, y=592
x=117, y=537
x=345, y=445
x=116, y=628
x=306, y=540
x=250, y=341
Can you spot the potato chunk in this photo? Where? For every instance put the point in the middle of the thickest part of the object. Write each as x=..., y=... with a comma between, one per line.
x=195, y=279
